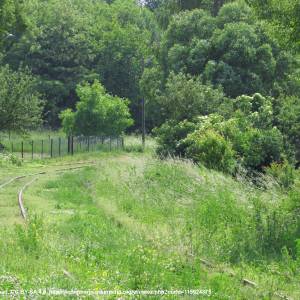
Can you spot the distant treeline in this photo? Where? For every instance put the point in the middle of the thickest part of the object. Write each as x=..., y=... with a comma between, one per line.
x=185, y=58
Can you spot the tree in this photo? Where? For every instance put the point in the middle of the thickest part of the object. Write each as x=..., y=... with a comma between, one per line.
x=231, y=50
x=185, y=97
x=12, y=22
x=97, y=113
x=56, y=48
x=70, y=42
x=151, y=85
x=283, y=14
x=20, y=104
x=125, y=39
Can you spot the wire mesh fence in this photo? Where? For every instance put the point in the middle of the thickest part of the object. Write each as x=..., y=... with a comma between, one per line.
x=56, y=147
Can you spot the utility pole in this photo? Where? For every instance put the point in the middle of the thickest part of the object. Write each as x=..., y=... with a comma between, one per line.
x=143, y=123
x=148, y=64
x=143, y=112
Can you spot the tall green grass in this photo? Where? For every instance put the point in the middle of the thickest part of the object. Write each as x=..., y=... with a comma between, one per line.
x=135, y=222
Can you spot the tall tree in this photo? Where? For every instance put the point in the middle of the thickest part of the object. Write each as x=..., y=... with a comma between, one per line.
x=12, y=22
x=231, y=50
x=20, y=104
x=283, y=14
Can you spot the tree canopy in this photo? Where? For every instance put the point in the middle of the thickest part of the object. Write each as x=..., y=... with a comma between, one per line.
x=20, y=105
x=186, y=59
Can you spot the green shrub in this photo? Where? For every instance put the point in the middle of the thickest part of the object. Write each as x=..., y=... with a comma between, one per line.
x=8, y=158
x=170, y=137
x=97, y=113
x=283, y=173
x=262, y=147
x=212, y=150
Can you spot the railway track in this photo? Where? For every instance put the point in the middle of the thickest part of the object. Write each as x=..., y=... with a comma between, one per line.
x=71, y=167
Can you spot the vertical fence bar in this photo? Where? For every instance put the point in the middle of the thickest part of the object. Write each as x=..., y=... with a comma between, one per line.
x=69, y=143
x=32, y=149
x=88, y=145
x=22, y=149
x=72, y=145
x=12, y=147
x=42, y=149
x=59, y=146
x=110, y=143
x=51, y=147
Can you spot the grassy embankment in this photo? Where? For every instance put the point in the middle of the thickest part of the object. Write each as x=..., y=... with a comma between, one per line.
x=134, y=222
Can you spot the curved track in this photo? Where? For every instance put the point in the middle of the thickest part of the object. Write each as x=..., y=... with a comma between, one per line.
x=21, y=191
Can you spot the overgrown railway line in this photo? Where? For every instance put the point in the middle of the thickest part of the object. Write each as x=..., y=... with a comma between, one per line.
x=66, y=168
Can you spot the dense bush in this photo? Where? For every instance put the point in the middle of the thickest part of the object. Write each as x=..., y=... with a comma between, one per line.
x=247, y=136
x=98, y=113
x=262, y=148
x=283, y=173
x=289, y=121
x=7, y=158
x=209, y=148
x=170, y=137
x=20, y=104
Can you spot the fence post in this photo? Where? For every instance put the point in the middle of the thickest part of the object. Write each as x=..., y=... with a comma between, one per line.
x=69, y=149
x=72, y=145
x=32, y=149
x=88, y=141
x=42, y=150
x=12, y=147
x=22, y=149
x=110, y=143
x=51, y=148
x=59, y=146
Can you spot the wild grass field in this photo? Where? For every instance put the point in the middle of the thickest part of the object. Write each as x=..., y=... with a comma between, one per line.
x=129, y=221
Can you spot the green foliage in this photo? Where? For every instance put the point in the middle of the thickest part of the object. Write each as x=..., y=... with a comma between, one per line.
x=12, y=22
x=283, y=15
x=247, y=135
x=30, y=237
x=70, y=43
x=8, y=158
x=232, y=50
x=288, y=120
x=58, y=51
x=185, y=97
x=67, y=121
x=151, y=88
x=209, y=148
x=170, y=137
x=97, y=113
x=262, y=147
x=235, y=12
x=283, y=173
x=20, y=104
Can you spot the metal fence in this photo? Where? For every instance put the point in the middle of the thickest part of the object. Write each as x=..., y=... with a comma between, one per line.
x=56, y=147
